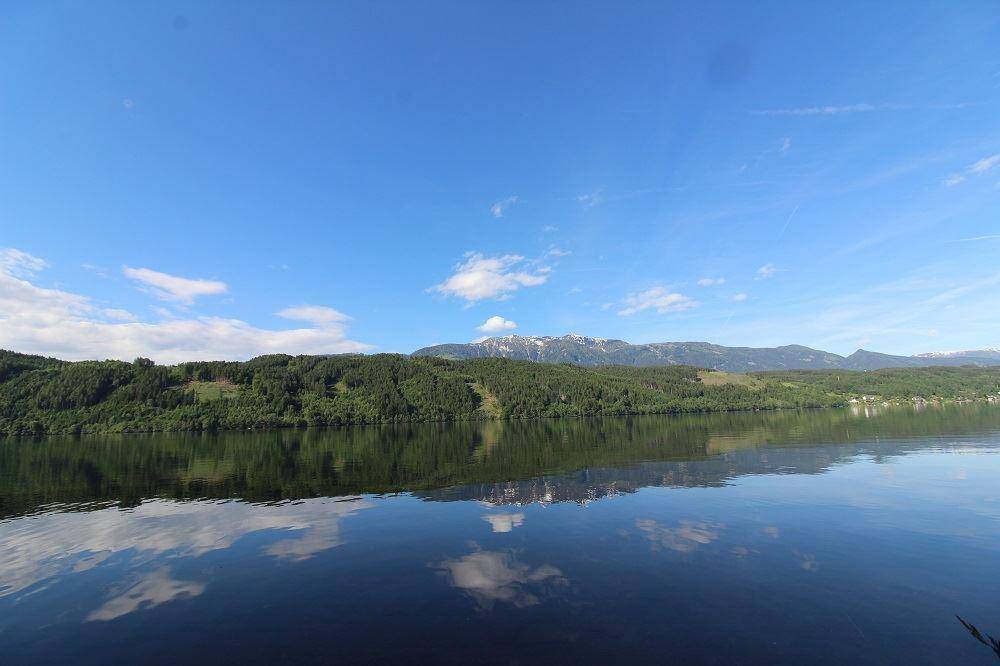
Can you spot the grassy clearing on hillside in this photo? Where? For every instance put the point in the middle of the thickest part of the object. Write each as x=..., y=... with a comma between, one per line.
x=490, y=406
x=719, y=378
x=209, y=391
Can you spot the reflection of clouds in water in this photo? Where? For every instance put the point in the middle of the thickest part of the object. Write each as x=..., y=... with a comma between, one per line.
x=504, y=522
x=743, y=551
x=491, y=576
x=806, y=560
x=46, y=547
x=685, y=538
x=153, y=589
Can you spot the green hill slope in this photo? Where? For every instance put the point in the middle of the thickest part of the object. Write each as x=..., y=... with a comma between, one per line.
x=48, y=396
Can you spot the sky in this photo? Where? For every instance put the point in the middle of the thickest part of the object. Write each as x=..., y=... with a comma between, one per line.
x=220, y=180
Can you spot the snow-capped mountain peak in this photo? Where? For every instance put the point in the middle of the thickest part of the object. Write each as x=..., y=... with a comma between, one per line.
x=989, y=352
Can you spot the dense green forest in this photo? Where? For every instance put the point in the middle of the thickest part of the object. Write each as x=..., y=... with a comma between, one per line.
x=40, y=395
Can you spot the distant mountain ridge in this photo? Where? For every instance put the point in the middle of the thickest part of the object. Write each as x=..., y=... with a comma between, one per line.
x=583, y=350
x=968, y=353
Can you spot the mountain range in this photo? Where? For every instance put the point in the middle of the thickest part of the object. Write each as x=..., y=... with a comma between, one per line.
x=583, y=350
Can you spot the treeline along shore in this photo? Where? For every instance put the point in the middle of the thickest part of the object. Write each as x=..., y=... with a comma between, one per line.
x=41, y=395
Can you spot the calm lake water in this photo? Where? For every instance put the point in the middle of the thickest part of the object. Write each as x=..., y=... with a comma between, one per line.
x=812, y=537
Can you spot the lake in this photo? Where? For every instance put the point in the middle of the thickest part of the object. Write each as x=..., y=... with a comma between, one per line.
x=787, y=537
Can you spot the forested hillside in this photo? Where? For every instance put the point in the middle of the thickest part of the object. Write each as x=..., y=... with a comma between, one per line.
x=39, y=395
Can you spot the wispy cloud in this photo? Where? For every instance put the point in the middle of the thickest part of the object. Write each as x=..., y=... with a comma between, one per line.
x=20, y=264
x=739, y=298
x=786, y=144
x=480, y=277
x=119, y=314
x=172, y=288
x=496, y=324
x=977, y=238
x=556, y=252
x=320, y=315
x=711, y=282
x=787, y=222
x=659, y=299
x=767, y=271
x=96, y=270
x=985, y=165
x=899, y=316
x=498, y=208
x=829, y=110
x=600, y=197
x=590, y=199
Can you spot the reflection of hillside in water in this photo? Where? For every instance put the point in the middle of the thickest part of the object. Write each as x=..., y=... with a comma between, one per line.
x=591, y=484
x=507, y=462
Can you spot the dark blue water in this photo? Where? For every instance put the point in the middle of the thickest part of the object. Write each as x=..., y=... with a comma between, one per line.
x=820, y=537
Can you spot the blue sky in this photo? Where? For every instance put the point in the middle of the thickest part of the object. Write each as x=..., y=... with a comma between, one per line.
x=221, y=180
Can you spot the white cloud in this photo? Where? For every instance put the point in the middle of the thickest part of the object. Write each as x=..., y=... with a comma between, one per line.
x=659, y=299
x=20, y=264
x=319, y=315
x=557, y=252
x=954, y=179
x=500, y=206
x=496, y=324
x=172, y=288
x=548, y=228
x=711, y=282
x=58, y=323
x=504, y=522
x=786, y=144
x=480, y=277
x=767, y=271
x=739, y=298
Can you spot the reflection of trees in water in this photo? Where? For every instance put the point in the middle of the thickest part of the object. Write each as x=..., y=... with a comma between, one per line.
x=986, y=640
x=506, y=462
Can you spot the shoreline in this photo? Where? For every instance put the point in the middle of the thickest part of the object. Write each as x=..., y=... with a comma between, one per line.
x=937, y=404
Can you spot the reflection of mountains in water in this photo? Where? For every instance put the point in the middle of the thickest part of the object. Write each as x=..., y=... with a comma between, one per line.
x=586, y=485
x=502, y=462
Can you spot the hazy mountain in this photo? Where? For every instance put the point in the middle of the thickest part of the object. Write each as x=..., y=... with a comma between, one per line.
x=584, y=350
x=869, y=360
